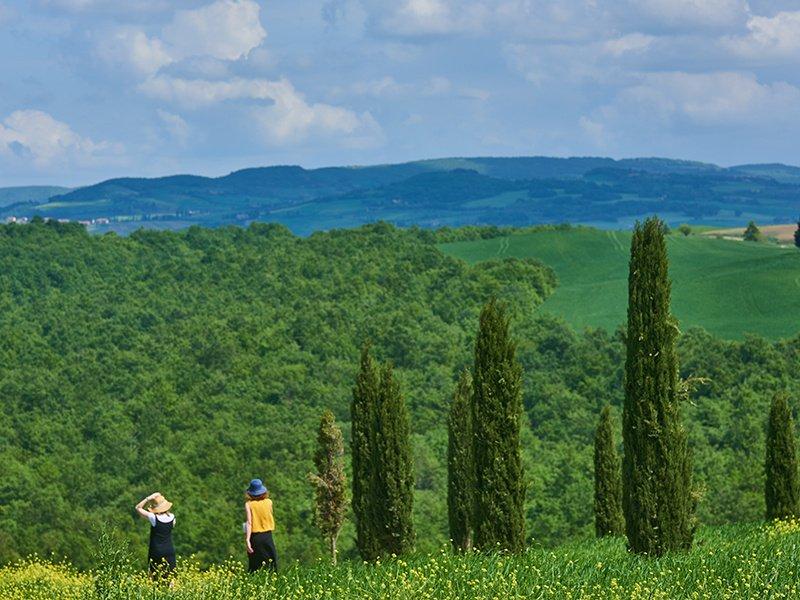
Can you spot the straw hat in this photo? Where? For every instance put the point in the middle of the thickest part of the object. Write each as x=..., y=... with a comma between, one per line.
x=160, y=505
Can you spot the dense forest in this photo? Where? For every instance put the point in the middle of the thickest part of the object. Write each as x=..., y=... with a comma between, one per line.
x=190, y=362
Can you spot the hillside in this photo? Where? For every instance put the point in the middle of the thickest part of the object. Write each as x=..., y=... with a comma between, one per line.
x=732, y=562
x=433, y=193
x=727, y=287
x=190, y=362
x=35, y=194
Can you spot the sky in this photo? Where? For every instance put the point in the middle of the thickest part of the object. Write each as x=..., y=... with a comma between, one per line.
x=93, y=89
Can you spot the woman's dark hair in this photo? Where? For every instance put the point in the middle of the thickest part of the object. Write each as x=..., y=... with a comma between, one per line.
x=259, y=497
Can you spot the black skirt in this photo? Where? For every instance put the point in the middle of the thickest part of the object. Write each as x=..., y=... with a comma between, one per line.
x=264, y=554
x=161, y=566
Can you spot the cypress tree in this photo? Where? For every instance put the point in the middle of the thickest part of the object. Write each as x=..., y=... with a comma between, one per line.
x=329, y=481
x=797, y=235
x=394, y=472
x=781, y=491
x=658, y=499
x=499, y=519
x=752, y=233
x=608, y=519
x=460, y=466
x=363, y=416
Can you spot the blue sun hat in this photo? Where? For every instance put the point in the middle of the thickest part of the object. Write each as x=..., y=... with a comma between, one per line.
x=256, y=488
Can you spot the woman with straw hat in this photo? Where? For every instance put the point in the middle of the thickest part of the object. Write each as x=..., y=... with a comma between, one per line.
x=259, y=527
x=161, y=555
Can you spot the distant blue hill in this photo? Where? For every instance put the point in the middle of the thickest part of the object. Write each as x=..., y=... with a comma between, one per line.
x=30, y=193
x=434, y=193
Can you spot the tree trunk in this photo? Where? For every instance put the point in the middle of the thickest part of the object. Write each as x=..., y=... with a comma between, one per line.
x=333, y=549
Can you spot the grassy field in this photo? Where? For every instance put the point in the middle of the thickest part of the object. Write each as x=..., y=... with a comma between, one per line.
x=738, y=562
x=728, y=287
x=784, y=234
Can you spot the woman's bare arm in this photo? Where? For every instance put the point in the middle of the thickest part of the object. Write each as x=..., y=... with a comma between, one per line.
x=140, y=507
x=248, y=528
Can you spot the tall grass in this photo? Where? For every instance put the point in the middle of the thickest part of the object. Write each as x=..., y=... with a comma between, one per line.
x=730, y=562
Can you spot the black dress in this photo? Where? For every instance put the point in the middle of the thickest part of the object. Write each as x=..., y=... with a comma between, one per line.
x=264, y=553
x=161, y=555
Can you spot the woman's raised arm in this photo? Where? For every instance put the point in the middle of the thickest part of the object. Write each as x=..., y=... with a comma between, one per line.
x=140, y=507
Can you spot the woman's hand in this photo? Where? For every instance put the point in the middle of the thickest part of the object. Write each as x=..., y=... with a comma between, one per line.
x=249, y=548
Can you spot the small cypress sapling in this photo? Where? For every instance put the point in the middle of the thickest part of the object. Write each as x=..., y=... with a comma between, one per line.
x=499, y=517
x=781, y=492
x=329, y=481
x=460, y=466
x=608, y=518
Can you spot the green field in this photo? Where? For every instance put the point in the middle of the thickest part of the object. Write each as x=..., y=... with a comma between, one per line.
x=729, y=288
x=734, y=562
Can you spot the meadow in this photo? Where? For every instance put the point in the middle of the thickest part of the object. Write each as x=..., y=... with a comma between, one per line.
x=742, y=561
x=727, y=287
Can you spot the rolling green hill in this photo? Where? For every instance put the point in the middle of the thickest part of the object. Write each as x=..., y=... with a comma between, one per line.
x=508, y=191
x=29, y=193
x=729, y=288
x=190, y=362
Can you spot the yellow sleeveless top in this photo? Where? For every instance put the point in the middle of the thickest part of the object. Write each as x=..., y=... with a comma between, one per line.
x=261, y=515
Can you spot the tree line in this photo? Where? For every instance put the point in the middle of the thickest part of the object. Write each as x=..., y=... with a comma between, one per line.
x=188, y=361
x=649, y=496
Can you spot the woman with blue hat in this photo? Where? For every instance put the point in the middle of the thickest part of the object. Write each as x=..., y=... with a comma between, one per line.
x=259, y=527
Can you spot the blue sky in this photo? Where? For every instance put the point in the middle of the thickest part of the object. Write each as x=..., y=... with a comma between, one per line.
x=91, y=89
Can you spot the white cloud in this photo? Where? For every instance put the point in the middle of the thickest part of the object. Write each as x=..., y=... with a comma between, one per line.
x=291, y=119
x=388, y=86
x=506, y=20
x=35, y=136
x=769, y=37
x=116, y=7
x=283, y=114
x=688, y=14
x=175, y=125
x=379, y=88
x=431, y=17
x=197, y=93
x=130, y=46
x=633, y=42
x=554, y=65
x=594, y=130
x=703, y=100
x=225, y=29
x=436, y=86
x=190, y=61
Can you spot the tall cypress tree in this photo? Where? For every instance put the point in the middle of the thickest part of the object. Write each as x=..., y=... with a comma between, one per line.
x=608, y=518
x=460, y=466
x=658, y=498
x=394, y=471
x=363, y=416
x=329, y=481
x=781, y=490
x=499, y=518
